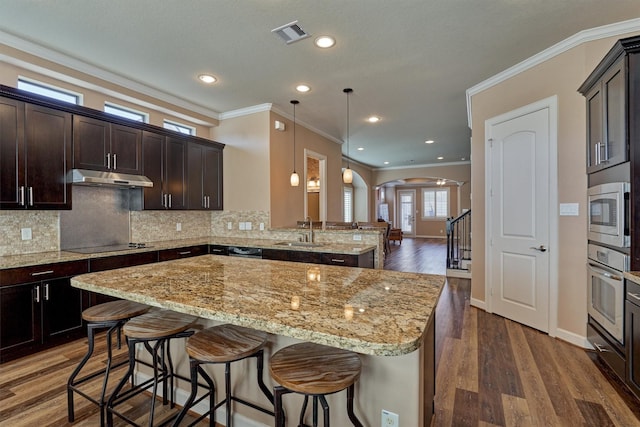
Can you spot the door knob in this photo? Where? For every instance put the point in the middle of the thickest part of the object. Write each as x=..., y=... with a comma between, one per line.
x=541, y=248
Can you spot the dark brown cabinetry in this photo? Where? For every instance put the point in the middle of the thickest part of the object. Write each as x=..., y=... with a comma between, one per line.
x=104, y=146
x=164, y=162
x=35, y=156
x=39, y=307
x=346, y=260
x=218, y=250
x=295, y=256
x=204, y=176
x=186, y=252
x=632, y=336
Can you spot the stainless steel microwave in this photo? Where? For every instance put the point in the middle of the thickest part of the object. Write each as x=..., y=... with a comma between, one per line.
x=609, y=214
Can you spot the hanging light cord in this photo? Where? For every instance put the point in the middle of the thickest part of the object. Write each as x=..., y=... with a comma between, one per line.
x=348, y=92
x=294, y=102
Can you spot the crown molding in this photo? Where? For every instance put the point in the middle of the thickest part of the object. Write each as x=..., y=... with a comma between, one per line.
x=423, y=166
x=576, y=40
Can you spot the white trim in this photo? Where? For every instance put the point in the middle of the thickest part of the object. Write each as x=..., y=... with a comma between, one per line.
x=551, y=104
x=460, y=274
x=577, y=39
x=573, y=338
x=240, y=112
x=429, y=165
x=474, y=302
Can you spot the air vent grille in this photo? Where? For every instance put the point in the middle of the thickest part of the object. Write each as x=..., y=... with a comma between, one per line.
x=290, y=33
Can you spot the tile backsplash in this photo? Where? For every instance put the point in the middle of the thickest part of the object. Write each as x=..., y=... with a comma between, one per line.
x=154, y=226
x=44, y=227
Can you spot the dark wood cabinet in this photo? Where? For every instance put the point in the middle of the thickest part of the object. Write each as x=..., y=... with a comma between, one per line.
x=186, y=252
x=153, y=167
x=39, y=308
x=176, y=179
x=364, y=260
x=35, y=156
x=218, y=250
x=204, y=176
x=632, y=336
x=295, y=256
x=164, y=163
x=101, y=145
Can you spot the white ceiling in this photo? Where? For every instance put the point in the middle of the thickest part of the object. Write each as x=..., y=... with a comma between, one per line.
x=408, y=61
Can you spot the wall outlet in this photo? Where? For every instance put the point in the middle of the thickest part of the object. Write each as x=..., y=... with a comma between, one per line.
x=178, y=226
x=247, y=225
x=357, y=237
x=241, y=226
x=262, y=226
x=25, y=233
x=229, y=225
x=389, y=419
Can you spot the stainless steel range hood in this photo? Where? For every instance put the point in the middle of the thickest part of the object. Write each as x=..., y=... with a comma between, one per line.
x=109, y=179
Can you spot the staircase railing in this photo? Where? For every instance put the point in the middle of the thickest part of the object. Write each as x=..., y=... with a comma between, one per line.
x=459, y=241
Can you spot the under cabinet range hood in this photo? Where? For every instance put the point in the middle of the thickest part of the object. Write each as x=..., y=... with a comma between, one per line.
x=110, y=179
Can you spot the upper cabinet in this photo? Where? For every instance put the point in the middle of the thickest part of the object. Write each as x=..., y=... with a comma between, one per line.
x=609, y=102
x=204, y=176
x=163, y=162
x=104, y=146
x=35, y=156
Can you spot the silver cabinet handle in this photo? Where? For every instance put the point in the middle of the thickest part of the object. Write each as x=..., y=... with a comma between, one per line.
x=164, y=201
x=598, y=152
x=204, y=201
x=540, y=248
x=30, y=191
x=108, y=160
x=605, y=158
x=632, y=295
x=600, y=348
x=337, y=260
x=21, y=198
x=115, y=161
x=169, y=200
x=37, y=293
x=184, y=253
x=41, y=273
x=46, y=292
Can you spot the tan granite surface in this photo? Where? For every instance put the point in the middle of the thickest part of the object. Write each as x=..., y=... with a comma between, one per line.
x=634, y=276
x=369, y=311
x=24, y=260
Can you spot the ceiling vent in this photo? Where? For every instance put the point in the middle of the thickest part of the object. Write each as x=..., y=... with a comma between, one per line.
x=291, y=32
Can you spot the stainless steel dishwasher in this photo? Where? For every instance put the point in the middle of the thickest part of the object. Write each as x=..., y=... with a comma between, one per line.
x=245, y=252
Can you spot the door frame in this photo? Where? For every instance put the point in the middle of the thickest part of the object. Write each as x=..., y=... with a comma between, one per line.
x=551, y=104
x=414, y=232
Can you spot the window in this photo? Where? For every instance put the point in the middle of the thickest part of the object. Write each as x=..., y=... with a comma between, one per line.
x=348, y=204
x=49, y=91
x=126, y=113
x=187, y=130
x=435, y=203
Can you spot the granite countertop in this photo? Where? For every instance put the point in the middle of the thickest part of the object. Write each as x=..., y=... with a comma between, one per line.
x=25, y=260
x=369, y=311
x=634, y=276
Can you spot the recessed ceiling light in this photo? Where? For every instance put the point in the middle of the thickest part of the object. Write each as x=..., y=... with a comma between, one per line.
x=440, y=157
x=303, y=88
x=373, y=119
x=360, y=148
x=386, y=163
x=207, y=78
x=429, y=141
x=325, y=42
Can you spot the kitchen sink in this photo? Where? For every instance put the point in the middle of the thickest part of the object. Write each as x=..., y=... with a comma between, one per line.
x=301, y=244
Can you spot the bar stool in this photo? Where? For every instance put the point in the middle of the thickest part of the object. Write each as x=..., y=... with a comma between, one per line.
x=160, y=327
x=111, y=315
x=314, y=370
x=223, y=344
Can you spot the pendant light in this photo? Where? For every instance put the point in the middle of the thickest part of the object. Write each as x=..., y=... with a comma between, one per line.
x=347, y=175
x=295, y=178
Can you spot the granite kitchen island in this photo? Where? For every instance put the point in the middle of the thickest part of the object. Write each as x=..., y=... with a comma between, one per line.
x=387, y=317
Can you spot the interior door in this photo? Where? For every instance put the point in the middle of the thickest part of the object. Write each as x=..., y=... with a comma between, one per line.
x=407, y=210
x=518, y=177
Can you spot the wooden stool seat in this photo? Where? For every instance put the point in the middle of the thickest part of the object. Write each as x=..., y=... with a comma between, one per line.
x=114, y=310
x=310, y=368
x=225, y=343
x=158, y=324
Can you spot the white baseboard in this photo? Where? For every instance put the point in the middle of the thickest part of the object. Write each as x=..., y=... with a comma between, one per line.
x=238, y=420
x=460, y=274
x=573, y=338
x=477, y=303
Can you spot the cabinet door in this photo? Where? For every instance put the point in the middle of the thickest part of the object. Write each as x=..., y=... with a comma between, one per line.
x=153, y=168
x=19, y=319
x=615, y=135
x=195, y=185
x=91, y=143
x=176, y=180
x=212, y=177
x=594, y=129
x=126, y=147
x=62, y=307
x=48, y=151
x=12, y=161
x=632, y=341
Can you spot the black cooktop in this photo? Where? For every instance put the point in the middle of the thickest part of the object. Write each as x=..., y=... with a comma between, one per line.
x=109, y=248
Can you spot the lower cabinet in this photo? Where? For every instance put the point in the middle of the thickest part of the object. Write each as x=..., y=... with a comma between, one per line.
x=186, y=252
x=347, y=260
x=295, y=256
x=632, y=336
x=39, y=308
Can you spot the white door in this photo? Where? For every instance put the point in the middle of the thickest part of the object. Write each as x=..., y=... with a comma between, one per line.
x=406, y=207
x=519, y=166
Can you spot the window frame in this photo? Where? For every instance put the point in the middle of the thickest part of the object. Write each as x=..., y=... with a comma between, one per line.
x=435, y=191
x=79, y=97
x=347, y=190
x=143, y=115
x=192, y=129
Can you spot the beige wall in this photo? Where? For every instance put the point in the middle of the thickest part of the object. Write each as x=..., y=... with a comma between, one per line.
x=559, y=76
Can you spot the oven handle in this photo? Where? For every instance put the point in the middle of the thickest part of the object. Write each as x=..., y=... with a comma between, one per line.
x=605, y=273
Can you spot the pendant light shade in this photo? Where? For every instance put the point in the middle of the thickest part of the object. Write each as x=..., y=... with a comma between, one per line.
x=295, y=178
x=347, y=175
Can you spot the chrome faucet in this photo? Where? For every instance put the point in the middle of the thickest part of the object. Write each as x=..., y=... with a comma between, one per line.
x=310, y=239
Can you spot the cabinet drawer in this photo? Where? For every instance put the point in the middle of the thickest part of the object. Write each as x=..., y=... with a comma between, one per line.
x=607, y=351
x=632, y=292
x=218, y=250
x=13, y=276
x=340, y=259
x=189, y=251
x=119, y=261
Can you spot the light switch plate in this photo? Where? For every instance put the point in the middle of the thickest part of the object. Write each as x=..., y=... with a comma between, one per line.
x=247, y=225
x=569, y=209
x=229, y=225
x=241, y=225
x=262, y=226
x=26, y=233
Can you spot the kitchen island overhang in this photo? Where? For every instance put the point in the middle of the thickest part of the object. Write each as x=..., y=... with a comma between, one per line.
x=372, y=312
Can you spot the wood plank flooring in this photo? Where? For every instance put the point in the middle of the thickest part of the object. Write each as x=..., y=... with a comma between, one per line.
x=490, y=371
x=495, y=372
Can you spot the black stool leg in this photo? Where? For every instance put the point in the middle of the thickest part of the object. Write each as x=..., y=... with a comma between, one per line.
x=212, y=396
x=278, y=392
x=303, y=411
x=194, y=391
x=261, y=384
x=227, y=390
x=90, y=338
x=325, y=410
x=123, y=381
x=315, y=411
x=352, y=416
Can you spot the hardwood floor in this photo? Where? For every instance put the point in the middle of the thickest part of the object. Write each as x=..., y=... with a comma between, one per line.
x=490, y=371
x=495, y=372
